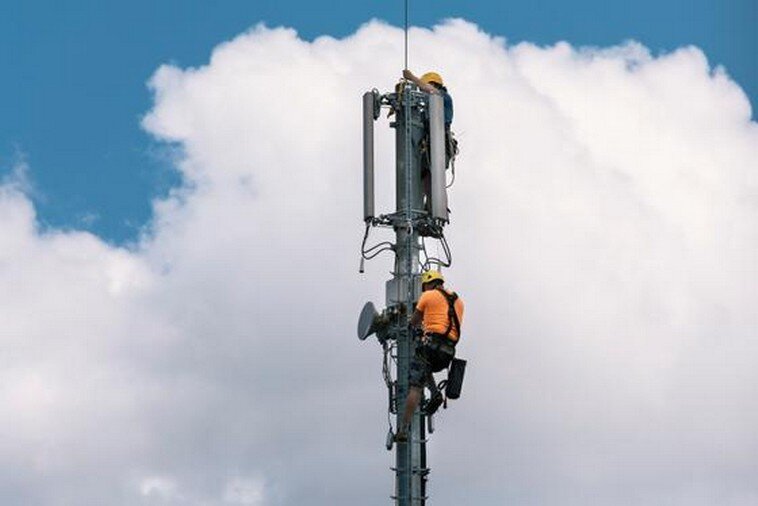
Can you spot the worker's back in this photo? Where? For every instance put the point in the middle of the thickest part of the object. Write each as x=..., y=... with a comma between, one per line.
x=435, y=307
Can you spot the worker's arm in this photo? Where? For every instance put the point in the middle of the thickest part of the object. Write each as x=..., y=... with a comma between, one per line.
x=417, y=318
x=418, y=82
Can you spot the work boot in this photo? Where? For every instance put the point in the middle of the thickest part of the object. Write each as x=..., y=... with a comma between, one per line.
x=432, y=405
x=401, y=436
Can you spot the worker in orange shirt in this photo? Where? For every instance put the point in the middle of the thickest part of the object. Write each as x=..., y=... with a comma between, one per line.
x=440, y=312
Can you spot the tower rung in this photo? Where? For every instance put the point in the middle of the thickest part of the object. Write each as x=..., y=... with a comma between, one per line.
x=416, y=470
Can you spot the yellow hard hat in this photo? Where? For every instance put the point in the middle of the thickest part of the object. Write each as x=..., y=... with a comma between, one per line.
x=432, y=77
x=430, y=275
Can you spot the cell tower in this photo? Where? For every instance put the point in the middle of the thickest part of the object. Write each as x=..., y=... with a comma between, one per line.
x=421, y=214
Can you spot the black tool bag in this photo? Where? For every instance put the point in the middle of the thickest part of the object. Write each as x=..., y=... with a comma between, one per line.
x=455, y=378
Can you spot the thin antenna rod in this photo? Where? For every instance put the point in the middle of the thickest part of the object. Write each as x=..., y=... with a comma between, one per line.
x=406, y=34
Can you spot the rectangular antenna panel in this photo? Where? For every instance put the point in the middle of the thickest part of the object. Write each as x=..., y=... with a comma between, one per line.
x=368, y=155
x=437, y=142
x=397, y=290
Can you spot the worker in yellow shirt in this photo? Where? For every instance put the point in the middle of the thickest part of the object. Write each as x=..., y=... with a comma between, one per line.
x=440, y=312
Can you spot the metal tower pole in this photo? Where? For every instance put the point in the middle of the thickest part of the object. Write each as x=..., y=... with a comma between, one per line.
x=419, y=121
x=410, y=471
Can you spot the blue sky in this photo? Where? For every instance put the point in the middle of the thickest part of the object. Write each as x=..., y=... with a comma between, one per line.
x=73, y=88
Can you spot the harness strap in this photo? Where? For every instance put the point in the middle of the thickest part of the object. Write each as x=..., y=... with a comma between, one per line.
x=452, y=316
x=441, y=343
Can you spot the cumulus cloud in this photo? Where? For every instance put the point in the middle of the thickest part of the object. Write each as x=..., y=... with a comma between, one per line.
x=604, y=232
x=17, y=176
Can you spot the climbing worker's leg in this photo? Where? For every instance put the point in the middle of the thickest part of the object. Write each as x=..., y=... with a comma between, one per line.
x=419, y=373
x=426, y=173
x=438, y=355
x=435, y=398
x=431, y=385
x=411, y=403
x=426, y=185
x=438, y=361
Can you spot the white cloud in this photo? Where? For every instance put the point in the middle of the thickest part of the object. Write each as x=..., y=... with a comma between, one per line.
x=18, y=177
x=162, y=488
x=604, y=231
x=244, y=491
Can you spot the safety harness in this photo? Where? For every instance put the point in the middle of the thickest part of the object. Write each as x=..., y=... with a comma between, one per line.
x=456, y=368
x=454, y=382
x=452, y=316
x=441, y=341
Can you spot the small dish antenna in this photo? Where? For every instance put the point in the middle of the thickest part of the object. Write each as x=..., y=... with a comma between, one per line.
x=366, y=322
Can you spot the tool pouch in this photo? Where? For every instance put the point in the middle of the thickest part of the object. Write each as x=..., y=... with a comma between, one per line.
x=455, y=378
